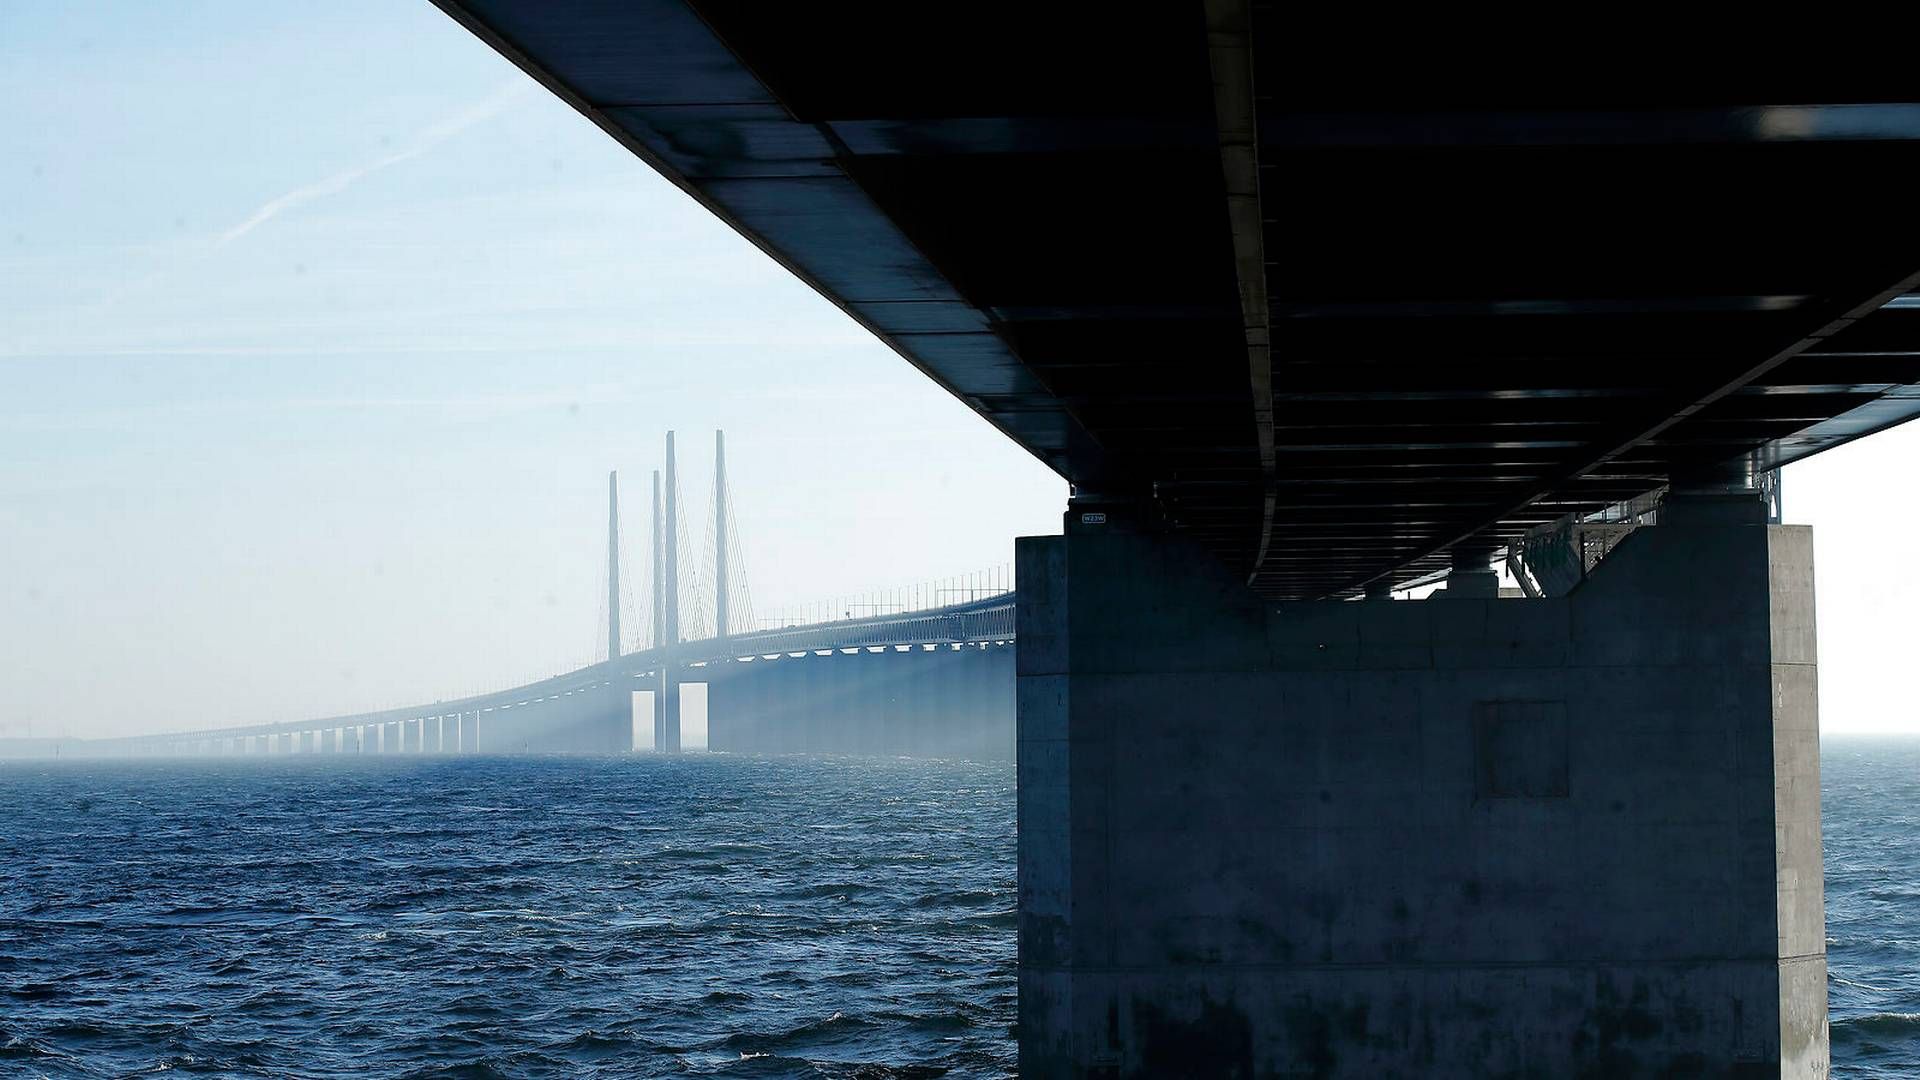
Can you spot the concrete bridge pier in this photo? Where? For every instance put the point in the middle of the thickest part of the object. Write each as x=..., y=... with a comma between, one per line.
x=1472, y=837
x=841, y=699
x=863, y=700
x=778, y=692
x=893, y=693
x=723, y=681
x=616, y=730
x=945, y=686
x=782, y=689
x=746, y=711
x=811, y=717
x=816, y=722
x=667, y=735
x=736, y=692
x=747, y=720
x=390, y=738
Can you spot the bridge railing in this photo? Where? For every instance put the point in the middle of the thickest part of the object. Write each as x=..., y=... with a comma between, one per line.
x=986, y=620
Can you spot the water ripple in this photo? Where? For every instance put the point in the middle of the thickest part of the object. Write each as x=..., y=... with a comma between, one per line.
x=1870, y=789
x=633, y=917
x=507, y=918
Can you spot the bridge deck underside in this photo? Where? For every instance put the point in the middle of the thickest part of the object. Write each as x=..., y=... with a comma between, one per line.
x=1486, y=310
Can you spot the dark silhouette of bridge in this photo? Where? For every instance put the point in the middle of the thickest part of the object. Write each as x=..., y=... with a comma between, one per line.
x=1306, y=312
x=923, y=672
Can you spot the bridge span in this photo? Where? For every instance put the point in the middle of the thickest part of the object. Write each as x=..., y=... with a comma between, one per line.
x=933, y=682
x=937, y=680
x=1305, y=312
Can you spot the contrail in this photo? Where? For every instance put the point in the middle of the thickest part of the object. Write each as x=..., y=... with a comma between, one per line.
x=492, y=105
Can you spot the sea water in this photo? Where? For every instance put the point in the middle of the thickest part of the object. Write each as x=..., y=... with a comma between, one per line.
x=639, y=916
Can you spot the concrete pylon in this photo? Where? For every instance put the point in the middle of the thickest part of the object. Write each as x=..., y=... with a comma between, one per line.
x=667, y=734
x=1471, y=575
x=1460, y=837
x=720, y=568
x=659, y=560
x=613, y=566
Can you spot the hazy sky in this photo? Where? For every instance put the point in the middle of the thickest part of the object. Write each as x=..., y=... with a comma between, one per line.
x=320, y=326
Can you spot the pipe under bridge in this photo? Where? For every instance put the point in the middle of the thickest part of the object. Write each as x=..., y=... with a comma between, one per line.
x=936, y=682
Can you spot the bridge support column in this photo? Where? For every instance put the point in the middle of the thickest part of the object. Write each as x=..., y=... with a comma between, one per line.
x=813, y=718
x=743, y=709
x=1471, y=575
x=666, y=732
x=723, y=699
x=617, y=732
x=1479, y=837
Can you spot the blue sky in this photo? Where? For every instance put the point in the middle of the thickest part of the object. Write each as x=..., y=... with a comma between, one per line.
x=319, y=330
x=320, y=326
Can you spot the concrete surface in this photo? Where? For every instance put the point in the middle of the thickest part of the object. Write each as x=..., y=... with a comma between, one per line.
x=1487, y=837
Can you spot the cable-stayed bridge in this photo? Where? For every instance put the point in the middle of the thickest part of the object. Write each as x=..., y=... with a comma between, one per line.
x=919, y=671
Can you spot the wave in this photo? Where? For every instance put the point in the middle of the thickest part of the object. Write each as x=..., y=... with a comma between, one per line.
x=1831, y=977
x=520, y=943
x=834, y=1026
x=16, y=1047
x=1881, y=1024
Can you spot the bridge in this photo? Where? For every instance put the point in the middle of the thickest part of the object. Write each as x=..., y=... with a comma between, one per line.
x=1307, y=311
x=1308, y=307
x=929, y=674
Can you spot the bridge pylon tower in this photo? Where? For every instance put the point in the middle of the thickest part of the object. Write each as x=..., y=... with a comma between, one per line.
x=720, y=569
x=666, y=602
x=613, y=566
